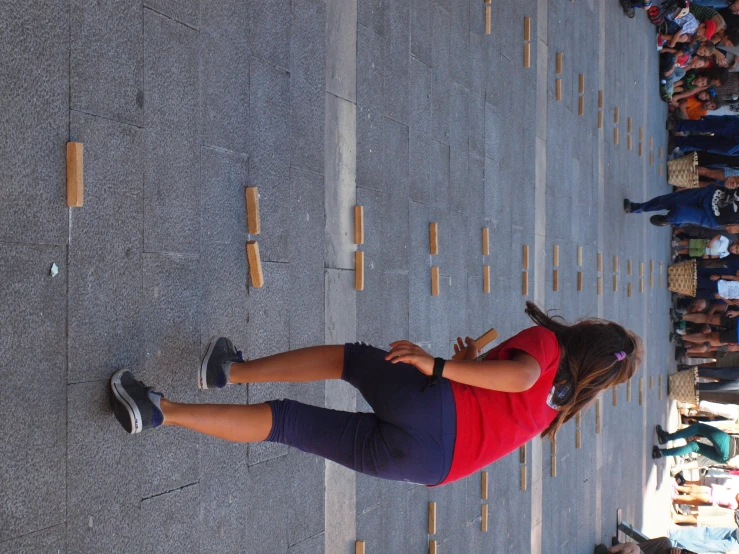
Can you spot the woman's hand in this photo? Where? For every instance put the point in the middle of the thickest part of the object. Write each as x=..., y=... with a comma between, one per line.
x=409, y=353
x=715, y=277
x=462, y=352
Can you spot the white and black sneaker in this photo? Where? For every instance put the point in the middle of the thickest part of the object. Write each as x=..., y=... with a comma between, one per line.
x=217, y=362
x=136, y=407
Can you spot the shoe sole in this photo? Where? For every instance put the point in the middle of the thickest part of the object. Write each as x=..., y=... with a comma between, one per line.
x=203, y=373
x=131, y=417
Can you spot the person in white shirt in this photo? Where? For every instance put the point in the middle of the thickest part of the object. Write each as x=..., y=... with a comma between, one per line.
x=718, y=247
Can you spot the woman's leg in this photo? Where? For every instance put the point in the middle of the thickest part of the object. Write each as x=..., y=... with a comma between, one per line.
x=697, y=338
x=317, y=363
x=231, y=422
x=696, y=318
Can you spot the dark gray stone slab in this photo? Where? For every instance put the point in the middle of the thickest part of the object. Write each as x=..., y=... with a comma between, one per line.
x=34, y=86
x=171, y=299
x=269, y=31
x=106, y=238
x=94, y=523
x=313, y=545
x=307, y=84
x=106, y=70
x=370, y=162
x=370, y=69
x=32, y=449
x=440, y=64
x=184, y=12
x=171, y=208
x=307, y=297
x=371, y=14
x=269, y=161
x=46, y=540
x=439, y=173
x=395, y=217
x=419, y=161
x=460, y=42
x=224, y=70
x=385, y=527
x=266, y=529
x=222, y=198
x=305, y=513
x=397, y=59
x=421, y=31
x=167, y=520
x=420, y=97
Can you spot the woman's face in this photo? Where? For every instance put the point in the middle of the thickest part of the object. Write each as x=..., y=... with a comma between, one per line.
x=734, y=248
x=699, y=62
x=703, y=51
x=710, y=105
x=701, y=81
x=703, y=96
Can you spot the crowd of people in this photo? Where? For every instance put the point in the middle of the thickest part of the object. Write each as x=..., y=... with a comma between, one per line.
x=698, y=44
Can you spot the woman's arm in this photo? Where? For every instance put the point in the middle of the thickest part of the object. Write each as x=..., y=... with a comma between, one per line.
x=515, y=375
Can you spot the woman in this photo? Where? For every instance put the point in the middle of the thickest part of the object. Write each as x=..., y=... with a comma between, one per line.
x=434, y=421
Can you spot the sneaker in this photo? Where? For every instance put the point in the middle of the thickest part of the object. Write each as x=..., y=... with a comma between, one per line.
x=627, y=205
x=659, y=220
x=136, y=407
x=601, y=548
x=217, y=363
x=656, y=453
x=661, y=434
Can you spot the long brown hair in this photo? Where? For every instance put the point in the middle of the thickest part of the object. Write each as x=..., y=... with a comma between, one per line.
x=588, y=362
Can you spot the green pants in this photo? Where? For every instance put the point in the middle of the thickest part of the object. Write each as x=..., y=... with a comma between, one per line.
x=719, y=452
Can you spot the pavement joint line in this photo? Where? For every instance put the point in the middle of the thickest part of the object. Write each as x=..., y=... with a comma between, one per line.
x=183, y=487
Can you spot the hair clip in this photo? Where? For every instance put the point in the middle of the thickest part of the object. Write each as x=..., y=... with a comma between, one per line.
x=620, y=356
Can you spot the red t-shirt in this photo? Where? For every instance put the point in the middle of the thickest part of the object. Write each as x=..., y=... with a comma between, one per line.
x=490, y=423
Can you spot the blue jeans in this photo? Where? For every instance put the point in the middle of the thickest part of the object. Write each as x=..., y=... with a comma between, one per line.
x=705, y=539
x=715, y=145
x=724, y=125
x=719, y=452
x=409, y=437
x=685, y=207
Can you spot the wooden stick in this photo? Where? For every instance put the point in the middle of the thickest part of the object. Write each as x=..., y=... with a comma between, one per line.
x=524, y=474
x=600, y=262
x=555, y=280
x=432, y=547
x=581, y=105
x=556, y=255
x=554, y=466
x=433, y=238
x=359, y=547
x=615, y=116
x=526, y=29
x=579, y=256
x=651, y=266
x=253, y=221
x=255, y=264
x=486, y=338
x=628, y=267
x=525, y=283
x=75, y=173
x=641, y=134
x=659, y=152
x=628, y=124
x=615, y=135
x=484, y=518
x=486, y=279
x=600, y=286
x=525, y=256
x=641, y=150
x=484, y=485
x=600, y=99
x=522, y=454
x=558, y=89
x=641, y=269
x=358, y=224
x=359, y=270
x=641, y=390
x=615, y=263
x=651, y=143
x=651, y=158
x=615, y=283
x=600, y=120
x=628, y=289
x=660, y=170
x=651, y=280
x=485, y=241
x=560, y=59
x=435, y=281
x=628, y=142
x=651, y=382
x=579, y=281
x=578, y=438
x=432, y=518
x=488, y=18
x=581, y=82
x=628, y=390
x=527, y=55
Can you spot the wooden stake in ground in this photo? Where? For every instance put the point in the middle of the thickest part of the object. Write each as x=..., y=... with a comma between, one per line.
x=359, y=270
x=75, y=171
x=253, y=221
x=358, y=225
x=433, y=238
x=255, y=264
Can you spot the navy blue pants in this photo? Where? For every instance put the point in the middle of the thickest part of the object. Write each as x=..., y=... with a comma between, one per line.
x=716, y=145
x=685, y=207
x=724, y=125
x=409, y=437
